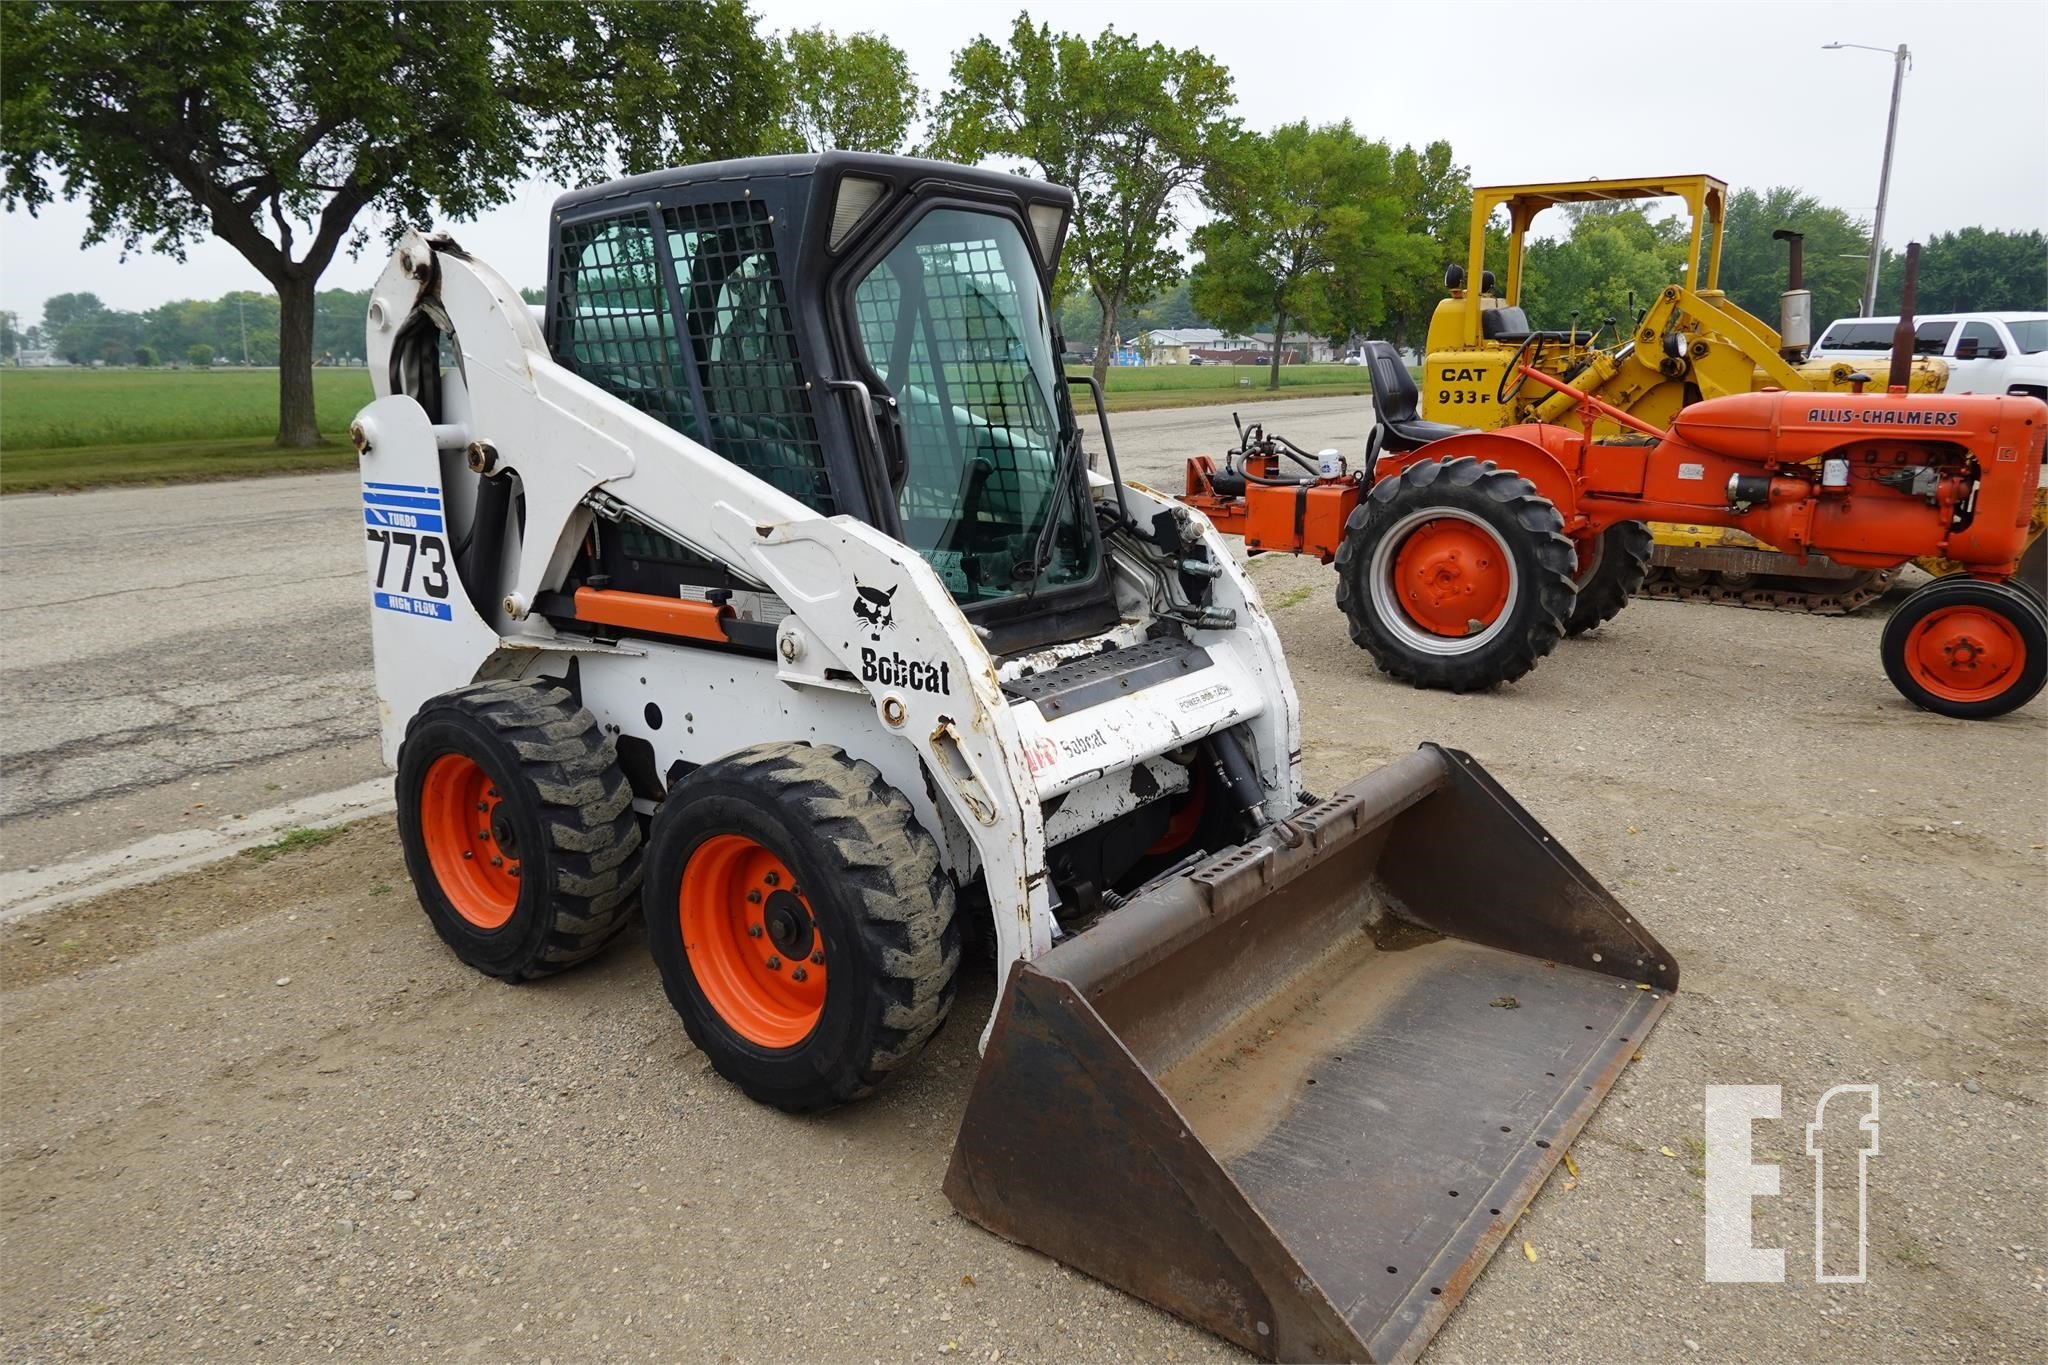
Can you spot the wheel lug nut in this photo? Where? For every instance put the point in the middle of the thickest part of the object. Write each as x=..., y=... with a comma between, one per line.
x=753, y=898
x=513, y=870
x=483, y=805
x=798, y=975
x=817, y=959
x=753, y=931
x=774, y=963
x=467, y=854
x=483, y=834
x=497, y=862
x=773, y=879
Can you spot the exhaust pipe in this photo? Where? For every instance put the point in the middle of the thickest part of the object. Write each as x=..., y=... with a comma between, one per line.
x=1299, y=1094
x=1902, y=335
x=1795, y=305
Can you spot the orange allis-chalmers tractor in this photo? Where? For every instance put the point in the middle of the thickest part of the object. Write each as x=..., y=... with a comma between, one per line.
x=1464, y=556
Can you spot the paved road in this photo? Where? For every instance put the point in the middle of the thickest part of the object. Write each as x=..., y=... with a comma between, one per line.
x=173, y=658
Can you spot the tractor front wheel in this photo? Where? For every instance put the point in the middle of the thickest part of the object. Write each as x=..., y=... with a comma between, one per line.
x=1967, y=648
x=802, y=922
x=1455, y=574
x=1611, y=566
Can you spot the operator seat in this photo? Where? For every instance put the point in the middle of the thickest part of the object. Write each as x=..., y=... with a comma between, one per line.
x=1397, y=424
x=1510, y=326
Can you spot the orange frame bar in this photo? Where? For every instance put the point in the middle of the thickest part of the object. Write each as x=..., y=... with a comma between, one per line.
x=659, y=615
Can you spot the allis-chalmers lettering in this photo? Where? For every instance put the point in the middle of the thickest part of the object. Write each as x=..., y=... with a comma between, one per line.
x=1886, y=417
x=893, y=670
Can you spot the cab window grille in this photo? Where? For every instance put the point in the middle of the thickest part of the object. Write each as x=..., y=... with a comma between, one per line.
x=612, y=319
x=953, y=321
x=736, y=312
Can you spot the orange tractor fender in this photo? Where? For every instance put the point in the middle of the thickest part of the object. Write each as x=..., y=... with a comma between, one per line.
x=1547, y=456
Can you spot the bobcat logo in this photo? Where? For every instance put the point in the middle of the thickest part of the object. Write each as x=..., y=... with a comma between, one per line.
x=871, y=607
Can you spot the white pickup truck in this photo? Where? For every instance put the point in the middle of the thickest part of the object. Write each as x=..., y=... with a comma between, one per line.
x=1985, y=352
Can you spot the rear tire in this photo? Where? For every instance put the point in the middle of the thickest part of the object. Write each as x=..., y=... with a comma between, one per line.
x=788, y=859
x=1620, y=562
x=1443, y=539
x=518, y=827
x=1966, y=648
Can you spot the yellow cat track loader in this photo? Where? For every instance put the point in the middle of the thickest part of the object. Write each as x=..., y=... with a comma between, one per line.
x=761, y=590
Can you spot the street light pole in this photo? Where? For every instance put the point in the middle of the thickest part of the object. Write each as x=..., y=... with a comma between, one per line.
x=1901, y=59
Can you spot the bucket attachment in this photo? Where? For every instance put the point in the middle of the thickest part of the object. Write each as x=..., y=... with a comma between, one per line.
x=1299, y=1095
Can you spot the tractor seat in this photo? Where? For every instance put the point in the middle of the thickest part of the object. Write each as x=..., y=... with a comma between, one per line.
x=1511, y=325
x=1398, y=422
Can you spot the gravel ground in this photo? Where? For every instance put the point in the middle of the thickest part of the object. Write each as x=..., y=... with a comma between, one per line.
x=260, y=1113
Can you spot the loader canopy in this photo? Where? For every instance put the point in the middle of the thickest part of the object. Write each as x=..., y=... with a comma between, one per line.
x=1299, y=1094
x=870, y=335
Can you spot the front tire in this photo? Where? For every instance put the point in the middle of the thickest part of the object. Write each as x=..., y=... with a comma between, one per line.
x=518, y=827
x=1455, y=574
x=1966, y=648
x=1612, y=566
x=802, y=922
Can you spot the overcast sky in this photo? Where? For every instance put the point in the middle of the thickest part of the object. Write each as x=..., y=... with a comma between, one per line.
x=1738, y=90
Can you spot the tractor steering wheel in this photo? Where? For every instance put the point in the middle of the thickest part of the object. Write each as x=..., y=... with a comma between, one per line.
x=1506, y=396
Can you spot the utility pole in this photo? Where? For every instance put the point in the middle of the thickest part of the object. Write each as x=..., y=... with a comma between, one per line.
x=1901, y=59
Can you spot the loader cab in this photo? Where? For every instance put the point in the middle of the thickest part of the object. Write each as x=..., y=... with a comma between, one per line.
x=1471, y=318
x=871, y=335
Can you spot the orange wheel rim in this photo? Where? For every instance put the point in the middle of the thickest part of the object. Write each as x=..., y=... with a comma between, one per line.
x=1450, y=573
x=752, y=941
x=1965, y=654
x=470, y=842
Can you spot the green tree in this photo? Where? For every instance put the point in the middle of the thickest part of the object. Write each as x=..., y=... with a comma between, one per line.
x=275, y=125
x=199, y=353
x=145, y=356
x=10, y=336
x=1612, y=265
x=852, y=94
x=1130, y=128
x=1753, y=265
x=1436, y=195
x=1307, y=231
x=1972, y=270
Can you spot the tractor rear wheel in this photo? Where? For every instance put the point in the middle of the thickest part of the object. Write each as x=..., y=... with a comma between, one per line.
x=518, y=827
x=1611, y=566
x=802, y=921
x=1967, y=648
x=1455, y=574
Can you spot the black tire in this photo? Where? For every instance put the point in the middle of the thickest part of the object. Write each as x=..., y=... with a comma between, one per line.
x=2025, y=625
x=1621, y=560
x=1519, y=520
x=560, y=814
x=878, y=901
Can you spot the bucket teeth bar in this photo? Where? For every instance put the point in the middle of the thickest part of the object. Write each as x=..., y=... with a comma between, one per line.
x=1299, y=1094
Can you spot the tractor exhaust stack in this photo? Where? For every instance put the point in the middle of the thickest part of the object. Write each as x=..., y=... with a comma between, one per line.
x=1300, y=1094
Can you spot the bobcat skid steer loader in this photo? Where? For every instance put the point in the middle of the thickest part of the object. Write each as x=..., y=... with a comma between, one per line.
x=761, y=586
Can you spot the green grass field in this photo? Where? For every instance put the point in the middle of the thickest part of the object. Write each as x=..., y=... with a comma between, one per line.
x=71, y=429
x=63, y=429
x=1135, y=387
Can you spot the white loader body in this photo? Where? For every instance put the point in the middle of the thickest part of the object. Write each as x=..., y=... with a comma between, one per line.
x=909, y=688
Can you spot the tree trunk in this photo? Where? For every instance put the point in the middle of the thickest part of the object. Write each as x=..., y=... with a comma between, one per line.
x=1105, y=340
x=1279, y=337
x=297, y=424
